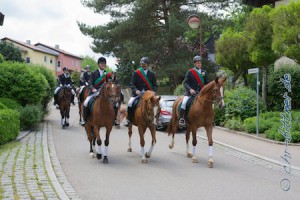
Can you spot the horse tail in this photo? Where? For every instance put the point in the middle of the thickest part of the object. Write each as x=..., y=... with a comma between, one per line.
x=173, y=126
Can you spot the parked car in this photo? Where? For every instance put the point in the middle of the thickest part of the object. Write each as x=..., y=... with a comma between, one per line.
x=166, y=104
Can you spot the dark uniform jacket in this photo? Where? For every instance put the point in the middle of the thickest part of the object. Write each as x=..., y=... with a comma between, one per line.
x=190, y=82
x=94, y=76
x=86, y=77
x=137, y=82
x=62, y=79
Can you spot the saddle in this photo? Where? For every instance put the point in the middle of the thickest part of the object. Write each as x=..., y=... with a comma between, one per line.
x=135, y=104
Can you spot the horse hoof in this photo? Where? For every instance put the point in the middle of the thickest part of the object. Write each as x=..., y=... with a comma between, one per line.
x=189, y=155
x=118, y=127
x=92, y=155
x=194, y=160
x=129, y=150
x=146, y=155
x=105, y=160
x=99, y=156
x=67, y=124
x=171, y=146
x=210, y=163
x=144, y=161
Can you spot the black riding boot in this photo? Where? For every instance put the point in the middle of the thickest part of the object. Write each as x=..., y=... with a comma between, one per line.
x=181, y=117
x=72, y=99
x=84, y=117
x=129, y=116
x=116, y=109
x=55, y=99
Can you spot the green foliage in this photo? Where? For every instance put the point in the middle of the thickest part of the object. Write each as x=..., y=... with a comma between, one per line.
x=286, y=20
x=75, y=76
x=21, y=83
x=10, y=103
x=219, y=117
x=276, y=88
x=179, y=90
x=241, y=102
x=9, y=125
x=30, y=116
x=2, y=106
x=234, y=124
x=10, y=53
x=250, y=124
x=1, y=58
x=87, y=60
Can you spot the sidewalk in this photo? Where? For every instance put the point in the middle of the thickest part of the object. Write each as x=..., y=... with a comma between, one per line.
x=255, y=146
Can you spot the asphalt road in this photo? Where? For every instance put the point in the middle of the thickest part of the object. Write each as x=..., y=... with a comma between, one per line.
x=169, y=174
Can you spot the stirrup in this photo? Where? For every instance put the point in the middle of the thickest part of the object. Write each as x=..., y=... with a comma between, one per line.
x=181, y=122
x=116, y=122
x=83, y=122
x=126, y=123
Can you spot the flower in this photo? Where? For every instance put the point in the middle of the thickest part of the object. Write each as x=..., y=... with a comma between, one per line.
x=203, y=73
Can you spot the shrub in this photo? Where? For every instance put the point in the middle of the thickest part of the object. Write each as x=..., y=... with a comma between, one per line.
x=295, y=136
x=21, y=83
x=30, y=116
x=219, y=117
x=10, y=103
x=2, y=106
x=179, y=90
x=241, y=103
x=250, y=124
x=9, y=125
x=234, y=124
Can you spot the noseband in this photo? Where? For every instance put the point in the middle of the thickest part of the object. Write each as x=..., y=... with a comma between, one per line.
x=111, y=99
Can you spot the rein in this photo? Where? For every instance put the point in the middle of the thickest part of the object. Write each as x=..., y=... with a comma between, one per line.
x=109, y=99
x=215, y=96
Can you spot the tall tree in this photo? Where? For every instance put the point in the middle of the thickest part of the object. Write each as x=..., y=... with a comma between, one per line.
x=286, y=26
x=10, y=52
x=259, y=31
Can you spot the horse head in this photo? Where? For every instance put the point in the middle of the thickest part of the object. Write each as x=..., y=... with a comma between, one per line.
x=65, y=95
x=111, y=92
x=219, y=91
x=150, y=100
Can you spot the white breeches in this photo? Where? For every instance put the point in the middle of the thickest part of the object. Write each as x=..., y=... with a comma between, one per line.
x=185, y=99
x=86, y=101
x=56, y=90
x=131, y=101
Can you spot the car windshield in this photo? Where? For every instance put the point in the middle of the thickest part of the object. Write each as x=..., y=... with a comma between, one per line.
x=168, y=103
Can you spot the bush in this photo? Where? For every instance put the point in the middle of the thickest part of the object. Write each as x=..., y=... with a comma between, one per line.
x=219, y=117
x=179, y=90
x=250, y=124
x=2, y=106
x=295, y=136
x=30, y=116
x=234, y=124
x=241, y=103
x=21, y=83
x=10, y=103
x=276, y=88
x=9, y=125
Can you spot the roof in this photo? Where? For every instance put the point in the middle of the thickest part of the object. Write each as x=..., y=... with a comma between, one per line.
x=58, y=50
x=29, y=46
x=259, y=3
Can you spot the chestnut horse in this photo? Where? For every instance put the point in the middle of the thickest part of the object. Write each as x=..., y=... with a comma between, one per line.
x=201, y=113
x=102, y=115
x=143, y=119
x=64, y=102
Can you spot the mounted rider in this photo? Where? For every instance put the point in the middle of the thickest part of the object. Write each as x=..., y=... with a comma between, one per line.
x=142, y=80
x=64, y=80
x=97, y=79
x=86, y=75
x=194, y=81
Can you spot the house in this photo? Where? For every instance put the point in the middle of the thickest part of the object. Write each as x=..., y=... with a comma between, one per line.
x=34, y=55
x=63, y=59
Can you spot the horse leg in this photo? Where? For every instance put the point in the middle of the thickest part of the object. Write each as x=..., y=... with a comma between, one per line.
x=106, y=143
x=210, y=146
x=129, y=135
x=153, y=135
x=194, y=132
x=62, y=118
x=142, y=143
x=187, y=138
x=67, y=116
x=88, y=130
x=99, y=142
x=79, y=108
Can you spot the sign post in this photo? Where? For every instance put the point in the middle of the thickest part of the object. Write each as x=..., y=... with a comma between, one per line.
x=253, y=71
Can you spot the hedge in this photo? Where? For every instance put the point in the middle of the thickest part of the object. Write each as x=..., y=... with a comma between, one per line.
x=9, y=125
x=2, y=106
x=30, y=116
x=10, y=103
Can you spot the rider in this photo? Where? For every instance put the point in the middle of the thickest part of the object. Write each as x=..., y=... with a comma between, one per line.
x=193, y=82
x=64, y=80
x=96, y=81
x=87, y=75
x=142, y=80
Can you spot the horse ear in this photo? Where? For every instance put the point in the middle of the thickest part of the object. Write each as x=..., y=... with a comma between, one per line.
x=217, y=80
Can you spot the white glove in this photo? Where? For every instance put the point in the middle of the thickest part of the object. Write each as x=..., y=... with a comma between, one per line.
x=86, y=83
x=60, y=85
x=68, y=85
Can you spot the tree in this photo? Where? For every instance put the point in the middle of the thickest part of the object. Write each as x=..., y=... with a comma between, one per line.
x=286, y=21
x=87, y=60
x=231, y=53
x=10, y=52
x=259, y=32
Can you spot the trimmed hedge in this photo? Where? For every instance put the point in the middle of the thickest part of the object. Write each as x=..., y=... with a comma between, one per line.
x=30, y=116
x=9, y=125
x=2, y=106
x=10, y=103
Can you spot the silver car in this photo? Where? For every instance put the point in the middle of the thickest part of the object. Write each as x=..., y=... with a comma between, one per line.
x=166, y=104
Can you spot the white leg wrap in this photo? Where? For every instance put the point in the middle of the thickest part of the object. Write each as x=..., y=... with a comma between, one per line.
x=187, y=147
x=105, y=151
x=98, y=149
x=194, y=150
x=62, y=121
x=129, y=143
x=142, y=151
x=150, y=149
x=210, y=151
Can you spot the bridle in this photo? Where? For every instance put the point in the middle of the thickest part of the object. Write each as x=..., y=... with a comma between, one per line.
x=216, y=98
x=112, y=98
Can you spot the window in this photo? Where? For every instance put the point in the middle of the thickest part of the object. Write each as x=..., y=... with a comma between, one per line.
x=58, y=66
x=51, y=60
x=45, y=58
x=27, y=60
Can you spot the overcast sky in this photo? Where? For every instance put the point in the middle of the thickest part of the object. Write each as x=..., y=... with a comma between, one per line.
x=51, y=22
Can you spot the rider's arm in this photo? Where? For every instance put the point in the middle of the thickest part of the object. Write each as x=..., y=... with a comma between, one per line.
x=154, y=83
x=186, y=81
x=133, y=82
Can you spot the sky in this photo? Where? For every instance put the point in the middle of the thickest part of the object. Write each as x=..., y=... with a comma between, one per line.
x=51, y=22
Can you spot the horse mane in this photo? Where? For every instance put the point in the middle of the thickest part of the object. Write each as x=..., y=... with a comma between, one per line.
x=207, y=87
x=148, y=95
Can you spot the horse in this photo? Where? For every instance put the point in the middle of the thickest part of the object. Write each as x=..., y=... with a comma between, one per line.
x=64, y=102
x=102, y=115
x=144, y=118
x=82, y=94
x=200, y=114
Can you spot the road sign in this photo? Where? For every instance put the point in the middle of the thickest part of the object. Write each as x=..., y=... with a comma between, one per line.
x=253, y=71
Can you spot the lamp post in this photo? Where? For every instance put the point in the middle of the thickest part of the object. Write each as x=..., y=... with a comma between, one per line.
x=194, y=22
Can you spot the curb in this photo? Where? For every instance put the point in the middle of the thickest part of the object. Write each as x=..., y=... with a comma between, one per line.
x=23, y=134
x=255, y=137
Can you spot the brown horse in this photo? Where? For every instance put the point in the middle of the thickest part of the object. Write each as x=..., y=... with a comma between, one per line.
x=201, y=113
x=103, y=115
x=64, y=102
x=143, y=119
x=82, y=94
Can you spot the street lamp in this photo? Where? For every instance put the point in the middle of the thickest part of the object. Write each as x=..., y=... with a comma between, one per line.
x=194, y=22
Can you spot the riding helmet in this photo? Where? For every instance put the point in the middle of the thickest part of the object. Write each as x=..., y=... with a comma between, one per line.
x=145, y=60
x=86, y=67
x=65, y=68
x=197, y=58
x=101, y=60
